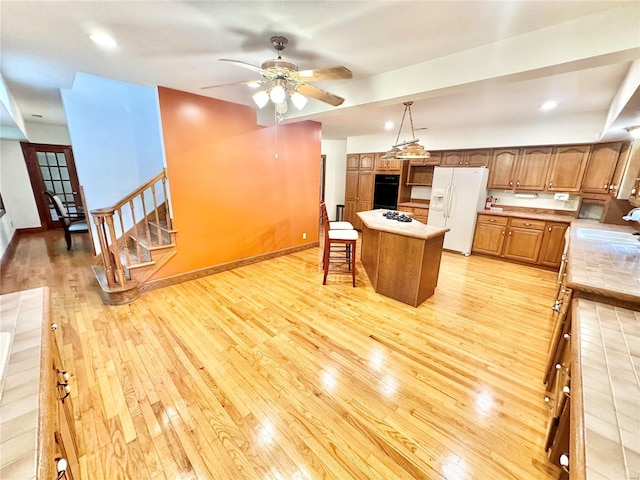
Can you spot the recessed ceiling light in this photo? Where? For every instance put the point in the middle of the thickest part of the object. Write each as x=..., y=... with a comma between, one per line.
x=550, y=105
x=103, y=40
x=388, y=125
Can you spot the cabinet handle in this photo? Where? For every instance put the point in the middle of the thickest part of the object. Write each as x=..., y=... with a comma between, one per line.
x=549, y=228
x=54, y=326
x=518, y=183
x=511, y=183
x=567, y=390
x=64, y=374
x=509, y=233
x=567, y=336
x=564, y=462
x=605, y=186
x=527, y=224
x=550, y=183
x=65, y=388
x=612, y=187
x=492, y=220
x=503, y=232
x=61, y=467
x=547, y=399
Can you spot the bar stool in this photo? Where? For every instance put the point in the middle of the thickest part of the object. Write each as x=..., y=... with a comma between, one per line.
x=339, y=249
x=335, y=225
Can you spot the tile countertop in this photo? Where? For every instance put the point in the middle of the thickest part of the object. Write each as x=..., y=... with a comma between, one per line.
x=605, y=391
x=20, y=410
x=547, y=217
x=414, y=204
x=604, y=263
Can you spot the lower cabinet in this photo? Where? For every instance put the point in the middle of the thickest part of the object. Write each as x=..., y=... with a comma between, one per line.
x=63, y=423
x=524, y=240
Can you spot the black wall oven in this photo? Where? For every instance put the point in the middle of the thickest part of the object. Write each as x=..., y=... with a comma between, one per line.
x=385, y=193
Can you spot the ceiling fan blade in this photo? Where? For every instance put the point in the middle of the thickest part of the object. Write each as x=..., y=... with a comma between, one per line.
x=246, y=65
x=235, y=84
x=319, y=94
x=318, y=74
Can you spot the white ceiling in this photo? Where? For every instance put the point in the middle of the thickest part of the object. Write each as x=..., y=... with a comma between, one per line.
x=465, y=64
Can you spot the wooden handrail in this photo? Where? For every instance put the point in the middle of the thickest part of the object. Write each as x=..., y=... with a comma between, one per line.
x=111, y=210
x=115, y=234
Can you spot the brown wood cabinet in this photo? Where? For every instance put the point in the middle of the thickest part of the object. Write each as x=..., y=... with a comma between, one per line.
x=360, y=161
x=419, y=214
x=387, y=164
x=62, y=421
x=490, y=233
x=552, y=244
x=521, y=239
x=466, y=158
x=502, y=169
x=358, y=194
x=598, y=177
x=567, y=168
x=420, y=175
x=434, y=160
x=532, y=168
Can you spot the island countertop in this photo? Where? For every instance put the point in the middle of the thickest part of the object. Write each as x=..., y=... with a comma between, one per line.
x=374, y=220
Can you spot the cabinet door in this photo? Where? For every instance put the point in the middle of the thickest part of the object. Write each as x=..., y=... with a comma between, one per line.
x=394, y=164
x=552, y=244
x=434, y=159
x=365, y=187
x=523, y=244
x=353, y=162
x=477, y=158
x=367, y=161
x=601, y=167
x=381, y=163
x=502, y=169
x=453, y=159
x=488, y=238
x=350, y=208
x=351, y=186
x=567, y=168
x=533, y=166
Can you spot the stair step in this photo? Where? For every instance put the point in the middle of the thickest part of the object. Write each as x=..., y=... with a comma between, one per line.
x=101, y=276
x=152, y=242
x=135, y=262
x=162, y=224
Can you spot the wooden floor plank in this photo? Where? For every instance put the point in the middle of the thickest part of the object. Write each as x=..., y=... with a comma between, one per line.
x=262, y=372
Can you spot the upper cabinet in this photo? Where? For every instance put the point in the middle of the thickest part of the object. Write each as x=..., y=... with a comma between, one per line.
x=567, y=168
x=362, y=161
x=466, y=158
x=434, y=159
x=533, y=165
x=387, y=164
x=502, y=169
x=601, y=167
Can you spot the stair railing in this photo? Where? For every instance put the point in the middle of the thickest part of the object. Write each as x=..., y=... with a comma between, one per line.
x=132, y=215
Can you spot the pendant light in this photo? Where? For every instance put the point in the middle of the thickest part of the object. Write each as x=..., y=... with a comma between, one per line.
x=412, y=149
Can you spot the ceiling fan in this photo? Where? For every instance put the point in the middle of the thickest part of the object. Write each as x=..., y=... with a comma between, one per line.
x=283, y=78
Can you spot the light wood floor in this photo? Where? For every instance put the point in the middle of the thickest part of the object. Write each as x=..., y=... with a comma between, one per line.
x=263, y=373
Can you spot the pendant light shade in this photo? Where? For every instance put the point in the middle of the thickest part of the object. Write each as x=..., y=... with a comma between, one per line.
x=411, y=149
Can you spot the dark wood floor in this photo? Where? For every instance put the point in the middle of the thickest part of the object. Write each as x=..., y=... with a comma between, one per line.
x=263, y=373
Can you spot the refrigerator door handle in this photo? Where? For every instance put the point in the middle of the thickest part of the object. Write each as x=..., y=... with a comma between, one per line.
x=450, y=200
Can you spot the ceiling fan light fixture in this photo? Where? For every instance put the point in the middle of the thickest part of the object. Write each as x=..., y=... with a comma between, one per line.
x=298, y=100
x=261, y=98
x=282, y=108
x=277, y=94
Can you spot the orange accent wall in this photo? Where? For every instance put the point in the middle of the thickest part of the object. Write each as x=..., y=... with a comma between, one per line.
x=231, y=198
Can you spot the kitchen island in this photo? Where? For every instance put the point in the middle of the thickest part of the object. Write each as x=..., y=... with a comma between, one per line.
x=402, y=260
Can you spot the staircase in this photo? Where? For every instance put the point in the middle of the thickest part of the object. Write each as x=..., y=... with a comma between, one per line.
x=136, y=238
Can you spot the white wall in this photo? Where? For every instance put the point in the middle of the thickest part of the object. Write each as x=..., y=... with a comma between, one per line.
x=15, y=185
x=335, y=174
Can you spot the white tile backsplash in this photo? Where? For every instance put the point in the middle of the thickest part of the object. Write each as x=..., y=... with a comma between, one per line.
x=543, y=200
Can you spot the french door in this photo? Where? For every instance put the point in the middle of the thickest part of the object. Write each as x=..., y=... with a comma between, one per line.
x=51, y=168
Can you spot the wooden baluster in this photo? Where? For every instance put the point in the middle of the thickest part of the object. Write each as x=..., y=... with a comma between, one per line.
x=135, y=231
x=166, y=200
x=145, y=219
x=127, y=255
x=104, y=249
x=115, y=254
x=155, y=209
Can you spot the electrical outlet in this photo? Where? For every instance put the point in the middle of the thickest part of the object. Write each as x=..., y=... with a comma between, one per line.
x=304, y=235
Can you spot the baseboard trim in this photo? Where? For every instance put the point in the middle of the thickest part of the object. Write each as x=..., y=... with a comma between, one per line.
x=223, y=267
x=31, y=230
x=9, y=251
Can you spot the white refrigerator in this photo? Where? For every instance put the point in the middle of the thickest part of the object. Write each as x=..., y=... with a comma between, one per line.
x=457, y=195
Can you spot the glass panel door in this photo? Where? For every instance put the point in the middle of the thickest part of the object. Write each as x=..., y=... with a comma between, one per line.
x=51, y=168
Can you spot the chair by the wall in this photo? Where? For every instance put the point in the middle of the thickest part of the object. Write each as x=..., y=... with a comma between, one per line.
x=72, y=223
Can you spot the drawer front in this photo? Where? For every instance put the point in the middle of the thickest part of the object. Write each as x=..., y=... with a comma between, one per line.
x=421, y=211
x=525, y=223
x=492, y=219
x=405, y=209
